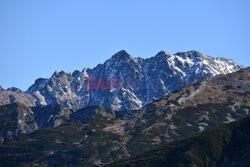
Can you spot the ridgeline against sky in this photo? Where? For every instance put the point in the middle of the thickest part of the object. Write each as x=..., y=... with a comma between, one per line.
x=40, y=37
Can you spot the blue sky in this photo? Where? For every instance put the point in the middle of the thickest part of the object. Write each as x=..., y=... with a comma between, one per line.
x=42, y=36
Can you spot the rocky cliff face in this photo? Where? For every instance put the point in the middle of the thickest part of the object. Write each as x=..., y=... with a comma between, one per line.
x=12, y=95
x=144, y=80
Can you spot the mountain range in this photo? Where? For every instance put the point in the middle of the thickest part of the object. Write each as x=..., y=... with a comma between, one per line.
x=144, y=81
x=57, y=135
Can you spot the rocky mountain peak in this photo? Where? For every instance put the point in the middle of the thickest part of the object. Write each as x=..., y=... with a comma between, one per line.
x=144, y=80
x=162, y=55
x=39, y=84
x=14, y=89
x=76, y=73
x=193, y=54
x=58, y=74
x=121, y=55
x=162, y=52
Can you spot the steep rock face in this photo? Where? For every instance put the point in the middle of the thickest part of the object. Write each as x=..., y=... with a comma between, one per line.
x=144, y=80
x=12, y=95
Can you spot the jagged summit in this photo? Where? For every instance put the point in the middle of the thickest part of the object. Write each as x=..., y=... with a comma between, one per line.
x=39, y=83
x=144, y=80
x=122, y=54
x=162, y=54
x=191, y=52
x=57, y=74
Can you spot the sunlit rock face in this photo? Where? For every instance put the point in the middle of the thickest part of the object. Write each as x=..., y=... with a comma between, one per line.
x=144, y=80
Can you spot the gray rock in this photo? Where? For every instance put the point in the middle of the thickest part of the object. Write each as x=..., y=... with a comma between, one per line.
x=144, y=80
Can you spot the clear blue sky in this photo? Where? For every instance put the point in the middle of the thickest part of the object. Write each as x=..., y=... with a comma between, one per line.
x=38, y=37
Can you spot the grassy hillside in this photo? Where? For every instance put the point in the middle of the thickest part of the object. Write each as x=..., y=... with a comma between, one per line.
x=76, y=143
x=226, y=145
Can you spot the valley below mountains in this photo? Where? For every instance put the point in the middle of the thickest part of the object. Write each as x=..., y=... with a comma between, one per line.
x=186, y=109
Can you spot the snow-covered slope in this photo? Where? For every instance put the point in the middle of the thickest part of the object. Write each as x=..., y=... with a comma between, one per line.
x=144, y=80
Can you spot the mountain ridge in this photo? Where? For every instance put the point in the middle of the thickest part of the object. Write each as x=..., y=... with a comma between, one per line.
x=144, y=80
